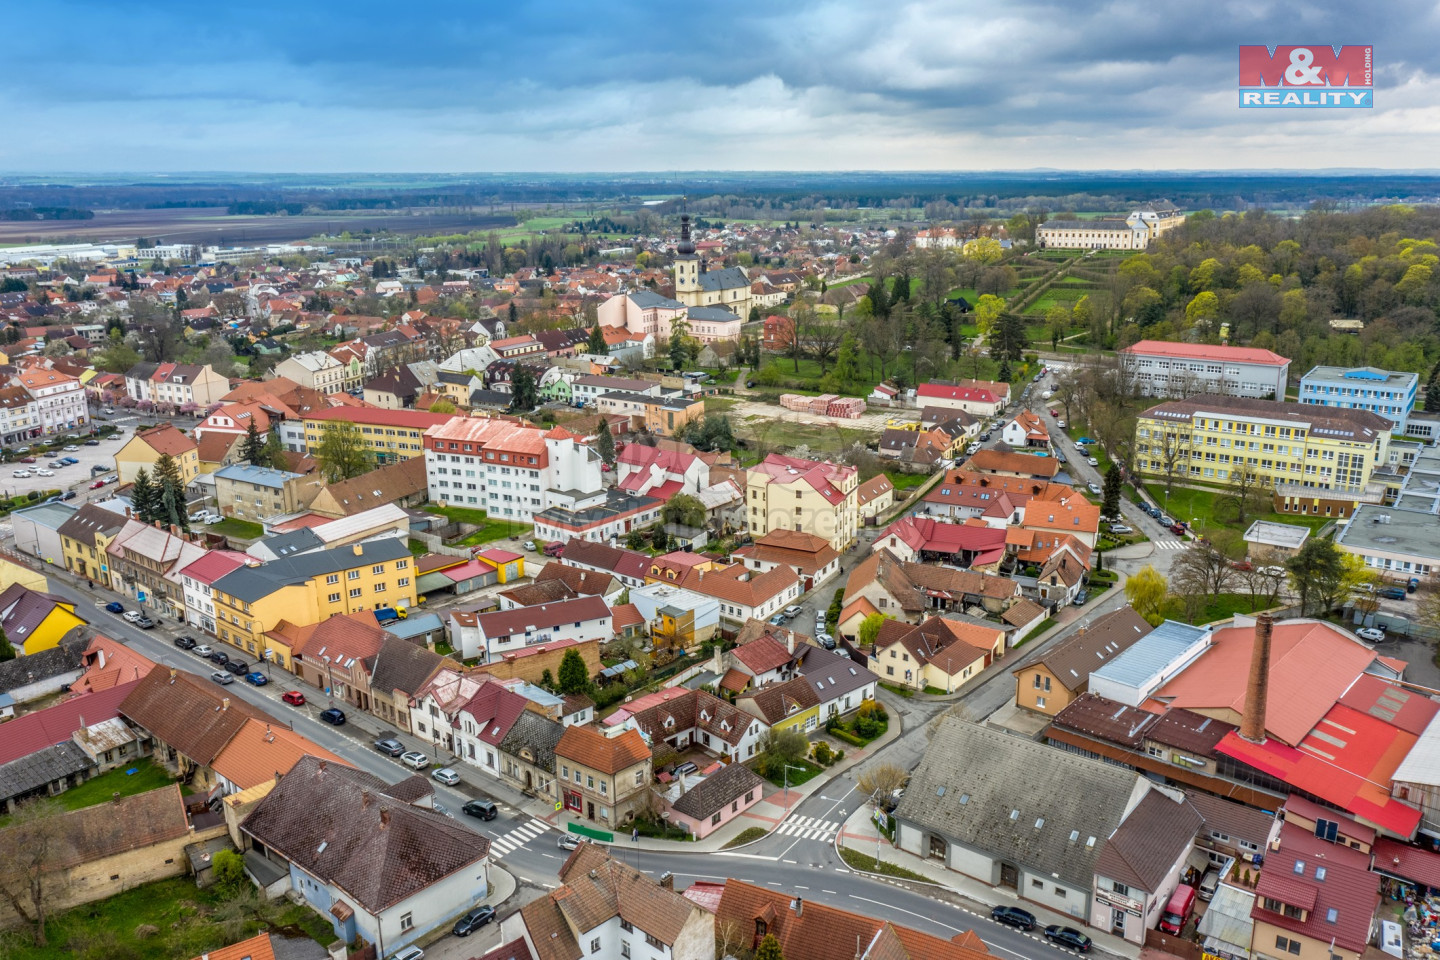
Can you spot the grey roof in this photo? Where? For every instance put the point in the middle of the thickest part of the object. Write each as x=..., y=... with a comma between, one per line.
x=1073, y=659
x=1156, y=834
x=1227, y=924
x=713, y=314
x=1150, y=653
x=415, y=626
x=1089, y=225
x=19, y=777
x=1409, y=533
x=60, y=659
x=726, y=279
x=52, y=515
x=1288, y=535
x=987, y=790
x=251, y=583
x=718, y=790
x=649, y=299
x=1359, y=376
x=539, y=734
x=288, y=544
x=89, y=520
x=260, y=476
x=1235, y=820
x=830, y=673
x=616, y=503
x=402, y=665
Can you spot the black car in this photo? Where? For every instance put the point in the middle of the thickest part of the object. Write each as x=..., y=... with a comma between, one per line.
x=185, y=643
x=333, y=716
x=219, y=657
x=1013, y=916
x=1067, y=937
x=390, y=747
x=483, y=809
x=473, y=921
x=238, y=667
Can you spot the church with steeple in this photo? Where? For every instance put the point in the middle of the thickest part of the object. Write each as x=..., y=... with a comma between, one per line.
x=727, y=289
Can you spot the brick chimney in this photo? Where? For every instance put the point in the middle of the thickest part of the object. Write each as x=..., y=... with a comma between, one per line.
x=384, y=817
x=667, y=880
x=1257, y=691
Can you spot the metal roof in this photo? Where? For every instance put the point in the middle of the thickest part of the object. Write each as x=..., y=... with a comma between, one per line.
x=1150, y=653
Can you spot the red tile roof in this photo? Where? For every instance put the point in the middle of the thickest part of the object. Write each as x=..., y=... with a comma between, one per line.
x=609, y=755
x=1206, y=351
x=45, y=728
x=412, y=419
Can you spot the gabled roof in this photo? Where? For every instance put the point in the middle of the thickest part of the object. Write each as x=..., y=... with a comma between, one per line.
x=346, y=827
x=166, y=438
x=494, y=709
x=580, y=581
x=535, y=733
x=719, y=790
x=343, y=639
x=609, y=755
x=1071, y=661
x=404, y=666
x=763, y=655
x=45, y=728
x=187, y=712
x=93, y=833
x=261, y=751
x=65, y=657
x=776, y=701
x=950, y=644
x=1151, y=840
x=694, y=710
x=90, y=520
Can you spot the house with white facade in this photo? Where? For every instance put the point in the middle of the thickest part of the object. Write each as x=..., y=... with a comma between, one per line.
x=511, y=471
x=59, y=399
x=1389, y=393
x=505, y=631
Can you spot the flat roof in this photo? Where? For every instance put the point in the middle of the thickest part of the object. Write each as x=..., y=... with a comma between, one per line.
x=1359, y=376
x=1409, y=532
x=1287, y=535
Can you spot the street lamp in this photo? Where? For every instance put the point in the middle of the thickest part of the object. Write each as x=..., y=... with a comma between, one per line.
x=788, y=768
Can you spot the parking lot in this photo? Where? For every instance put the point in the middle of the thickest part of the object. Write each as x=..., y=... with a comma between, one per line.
x=77, y=476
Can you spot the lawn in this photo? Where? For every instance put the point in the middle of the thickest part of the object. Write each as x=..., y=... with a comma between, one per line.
x=189, y=922
x=1219, y=607
x=1197, y=507
x=906, y=481
x=239, y=529
x=496, y=530
x=748, y=835
x=148, y=776
x=719, y=404
x=769, y=435
x=807, y=771
x=1038, y=629
x=863, y=861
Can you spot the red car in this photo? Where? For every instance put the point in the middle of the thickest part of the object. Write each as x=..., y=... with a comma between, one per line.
x=294, y=698
x=1177, y=529
x=98, y=484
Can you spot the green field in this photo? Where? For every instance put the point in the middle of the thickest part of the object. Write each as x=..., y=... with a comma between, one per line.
x=148, y=776
x=239, y=529
x=1197, y=507
x=1220, y=607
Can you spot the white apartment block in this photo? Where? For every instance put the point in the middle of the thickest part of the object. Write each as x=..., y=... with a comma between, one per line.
x=1163, y=369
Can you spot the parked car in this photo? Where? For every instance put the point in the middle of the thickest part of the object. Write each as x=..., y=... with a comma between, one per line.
x=222, y=678
x=530, y=544
x=1208, y=883
x=390, y=746
x=1177, y=912
x=92, y=442
x=237, y=667
x=97, y=484
x=792, y=611
x=1241, y=565
x=20, y=474
x=185, y=643
x=685, y=769
x=1092, y=461
x=473, y=921
x=1121, y=528
x=256, y=678
x=484, y=809
x=409, y=953
x=70, y=447
x=826, y=641
x=68, y=495
x=1273, y=571
x=69, y=461
x=554, y=548
x=114, y=606
x=1371, y=634
x=1083, y=440
x=144, y=622
x=1165, y=521
x=218, y=656
x=1393, y=593
x=777, y=620
x=1067, y=937
x=132, y=615
x=447, y=776
x=1013, y=917
x=1061, y=457
x=1080, y=598
x=293, y=697
x=100, y=468
x=1094, y=488
x=415, y=760
x=202, y=650
x=334, y=716
x=55, y=465
x=567, y=841
x=1179, y=530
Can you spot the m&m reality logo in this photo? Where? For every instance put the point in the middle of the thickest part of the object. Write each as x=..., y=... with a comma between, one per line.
x=1310, y=76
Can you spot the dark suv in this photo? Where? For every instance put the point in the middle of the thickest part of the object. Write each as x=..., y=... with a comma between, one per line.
x=237, y=667
x=185, y=643
x=1067, y=937
x=1014, y=917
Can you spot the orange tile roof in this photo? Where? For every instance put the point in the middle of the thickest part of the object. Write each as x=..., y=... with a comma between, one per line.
x=257, y=947
x=110, y=662
x=609, y=755
x=166, y=438
x=260, y=750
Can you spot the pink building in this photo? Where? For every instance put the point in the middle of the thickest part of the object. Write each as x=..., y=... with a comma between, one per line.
x=714, y=801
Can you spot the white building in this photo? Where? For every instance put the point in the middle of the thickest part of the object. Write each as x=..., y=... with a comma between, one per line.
x=59, y=399
x=513, y=472
x=581, y=619
x=316, y=370
x=1160, y=368
x=1385, y=392
x=1093, y=235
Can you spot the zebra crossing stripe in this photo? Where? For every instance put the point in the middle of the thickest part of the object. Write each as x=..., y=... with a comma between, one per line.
x=540, y=826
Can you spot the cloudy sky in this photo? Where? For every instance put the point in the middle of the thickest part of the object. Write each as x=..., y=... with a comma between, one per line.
x=567, y=85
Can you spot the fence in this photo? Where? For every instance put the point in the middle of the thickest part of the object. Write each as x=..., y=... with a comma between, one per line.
x=1177, y=946
x=435, y=544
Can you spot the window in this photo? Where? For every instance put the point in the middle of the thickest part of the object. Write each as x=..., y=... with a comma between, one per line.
x=627, y=926
x=624, y=948
x=1038, y=884
x=378, y=568
x=1120, y=888
x=334, y=598
x=1319, y=873
x=595, y=945
x=353, y=575
x=1288, y=945
x=1300, y=867
x=355, y=593
x=655, y=942
x=407, y=921
x=1332, y=915
x=333, y=578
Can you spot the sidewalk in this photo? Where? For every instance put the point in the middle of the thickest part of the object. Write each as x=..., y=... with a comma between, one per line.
x=859, y=833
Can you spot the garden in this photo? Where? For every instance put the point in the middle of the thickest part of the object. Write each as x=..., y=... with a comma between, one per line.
x=861, y=727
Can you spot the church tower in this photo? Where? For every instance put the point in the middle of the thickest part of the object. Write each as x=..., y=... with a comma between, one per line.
x=687, y=266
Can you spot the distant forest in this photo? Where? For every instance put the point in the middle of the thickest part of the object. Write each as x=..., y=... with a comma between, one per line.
x=46, y=213
x=732, y=195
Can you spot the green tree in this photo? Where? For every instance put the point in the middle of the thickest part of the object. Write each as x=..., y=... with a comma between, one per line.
x=228, y=868
x=7, y=652
x=879, y=299
x=1317, y=574
x=1432, y=390
x=522, y=389
x=683, y=509
x=778, y=748
x=984, y=250
x=1146, y=592
x=342, y=452
x=274, y=447
x=769, y=949
x=546, y=680
x=252, y=449
x=680, y=353
x=597, y=343
x=847, y=362
x=574, y=676
x=605, y=444
x=442, y=406
x=144, y=497
x=987, y=310
x=1110, y=506
x=870, y=628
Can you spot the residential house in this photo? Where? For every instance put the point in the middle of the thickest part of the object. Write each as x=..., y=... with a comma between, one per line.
x=197, y=580
x=972, y=545
x=937, y=654
x=176, y=384
x=677, y=617
x=758, y=662
x=502, y=632
x=482, y=722
x=256, y=494
x=145, y=563
x=812, y=558
x=605, y=908
x=811, y=930
x=389, y=435
x=791, y=705
x=1015, y=814
x=1026, y=431
x=873, y=499
x=19, y=416
x=1051, y=681
x=262, y=752
x=35, y=621
x=979, y=398
x=787, y=493
x=146, y=447
x=508, y=469
x=1142, y=863
x=1009, y=463
x=627, y=566
x=840, y=684
x=717, y=798
x=913, y=590
x=39, y=675
x=743, y=594
x=603, y=779
x=382, y=868
x=316, y=370
x=58, y=399
x=685, y=718
x=403, y=484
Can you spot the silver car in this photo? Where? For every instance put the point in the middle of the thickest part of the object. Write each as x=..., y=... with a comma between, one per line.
x=447, y=776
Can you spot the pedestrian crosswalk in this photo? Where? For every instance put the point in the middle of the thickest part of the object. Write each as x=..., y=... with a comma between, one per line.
x=808, y=828
x=517, y=838
x=1169, y=544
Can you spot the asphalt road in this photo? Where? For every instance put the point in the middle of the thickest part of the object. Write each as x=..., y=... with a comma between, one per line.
x=802, y=862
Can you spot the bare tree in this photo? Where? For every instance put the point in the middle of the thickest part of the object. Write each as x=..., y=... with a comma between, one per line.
x=1244, y=494
x=822, y=336
x=31, y=849
x=1172, y=453
x=958, y=710
x=1198, y=573
x=882, y=779
x=1067, y=391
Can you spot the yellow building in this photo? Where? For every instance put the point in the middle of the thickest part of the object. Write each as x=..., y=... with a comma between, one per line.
x=792, y=705
x=83, y=539
x=147, y=446
x=668, y=416
x=35, y=621
x=391, y=435
x=309, y=588
x=1298, y=452
x=816, y=497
